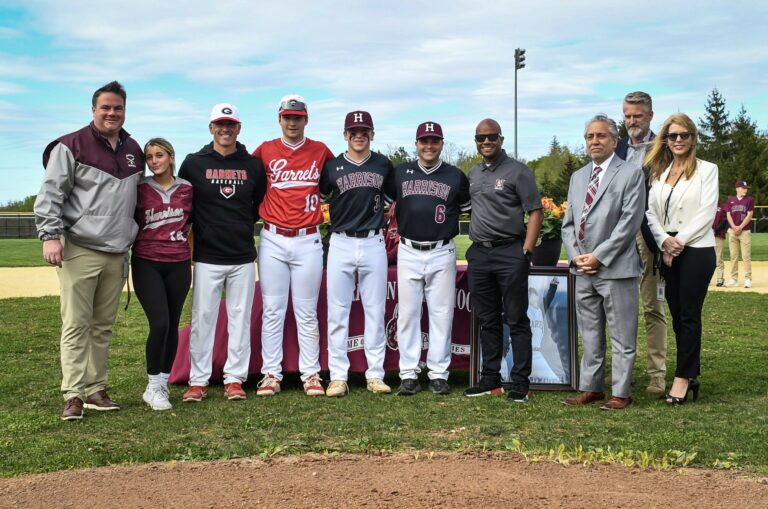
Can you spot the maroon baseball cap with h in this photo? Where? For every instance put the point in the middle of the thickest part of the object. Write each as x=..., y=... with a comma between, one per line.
x=358, y=120
x=742, y=183
x=429, y=130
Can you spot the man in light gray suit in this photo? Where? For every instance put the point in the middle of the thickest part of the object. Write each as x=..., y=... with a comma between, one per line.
x=606, y=202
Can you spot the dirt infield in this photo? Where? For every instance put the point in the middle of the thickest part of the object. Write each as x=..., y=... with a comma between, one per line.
x=445, y=480
x=40, y=281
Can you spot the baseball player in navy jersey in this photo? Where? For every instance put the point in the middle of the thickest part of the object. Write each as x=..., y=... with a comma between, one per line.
x=429, y=194
x=353, y=182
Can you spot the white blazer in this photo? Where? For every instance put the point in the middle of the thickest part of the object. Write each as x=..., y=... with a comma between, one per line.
x=692, y=207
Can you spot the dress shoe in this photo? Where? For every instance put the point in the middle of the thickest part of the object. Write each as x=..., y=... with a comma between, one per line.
x=73, y=410
x=584, y=398
x=100, y=401
x=656, y=386
x=616, y=403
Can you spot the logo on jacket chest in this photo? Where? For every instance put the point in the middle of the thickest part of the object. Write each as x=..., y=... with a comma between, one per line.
x=499, y=186
x=227, y=191
x=131, y=160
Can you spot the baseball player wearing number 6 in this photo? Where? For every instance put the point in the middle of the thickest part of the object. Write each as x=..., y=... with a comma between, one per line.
x=353, y=181
x=291, y=254
x=429, y=194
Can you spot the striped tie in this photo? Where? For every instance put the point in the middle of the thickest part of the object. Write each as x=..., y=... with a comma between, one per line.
x=594, y=182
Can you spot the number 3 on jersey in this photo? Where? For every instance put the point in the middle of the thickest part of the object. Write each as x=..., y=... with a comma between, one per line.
x=440, y=214
x=311, y=202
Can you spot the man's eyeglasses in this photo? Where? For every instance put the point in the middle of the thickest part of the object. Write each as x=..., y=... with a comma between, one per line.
x=678, y=136
x=480, y=138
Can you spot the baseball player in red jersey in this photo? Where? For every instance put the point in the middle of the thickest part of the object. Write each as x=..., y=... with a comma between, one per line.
x=429, y=194
x=354, y=181
x=291, y=253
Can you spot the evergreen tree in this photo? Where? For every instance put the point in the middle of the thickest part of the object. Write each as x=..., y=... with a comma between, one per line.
x=559, y=188
x=748, y=161
x=623, y=133
x=714, y=130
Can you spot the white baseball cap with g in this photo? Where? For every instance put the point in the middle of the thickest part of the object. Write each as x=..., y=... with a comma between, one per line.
x=225, y=111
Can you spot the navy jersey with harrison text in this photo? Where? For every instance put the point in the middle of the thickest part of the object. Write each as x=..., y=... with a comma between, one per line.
x=428, y=200
x=355, y=192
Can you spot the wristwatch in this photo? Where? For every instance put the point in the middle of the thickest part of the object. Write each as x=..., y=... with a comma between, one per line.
x=49, y=236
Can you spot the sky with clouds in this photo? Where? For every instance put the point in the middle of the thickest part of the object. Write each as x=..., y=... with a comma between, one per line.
x=404, y=61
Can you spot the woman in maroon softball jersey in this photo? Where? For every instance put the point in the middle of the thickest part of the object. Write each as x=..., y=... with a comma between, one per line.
x=161, y=263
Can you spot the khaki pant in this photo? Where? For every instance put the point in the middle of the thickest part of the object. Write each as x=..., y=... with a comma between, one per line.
x=742, y=242
x=654, y=314
x=719, y=265
x=90, y=284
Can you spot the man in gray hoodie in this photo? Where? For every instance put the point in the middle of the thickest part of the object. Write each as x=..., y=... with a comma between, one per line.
x=84, y=216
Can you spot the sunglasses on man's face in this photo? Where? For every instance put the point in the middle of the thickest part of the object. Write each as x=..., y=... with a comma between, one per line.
x=678, y=136
x=480, y=138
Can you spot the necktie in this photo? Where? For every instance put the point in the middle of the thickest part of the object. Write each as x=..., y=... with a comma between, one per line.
x=591, y=192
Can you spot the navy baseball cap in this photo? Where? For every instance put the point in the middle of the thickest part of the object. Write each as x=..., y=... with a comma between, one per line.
x=357, y=120
x=429, y=130
x=742, y=183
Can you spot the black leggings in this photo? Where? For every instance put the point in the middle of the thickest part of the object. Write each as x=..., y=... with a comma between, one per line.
x=161, y=288
x=687, y=281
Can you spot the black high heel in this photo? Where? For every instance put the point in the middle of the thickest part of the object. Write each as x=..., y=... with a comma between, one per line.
x=693, y=387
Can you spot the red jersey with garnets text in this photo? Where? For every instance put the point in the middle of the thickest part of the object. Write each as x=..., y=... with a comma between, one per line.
x=163, y=218
x=293, y=176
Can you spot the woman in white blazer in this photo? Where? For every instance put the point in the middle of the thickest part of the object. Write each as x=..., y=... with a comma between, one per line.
x=681, y=207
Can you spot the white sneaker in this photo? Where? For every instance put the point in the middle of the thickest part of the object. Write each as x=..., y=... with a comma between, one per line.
x=337, y=389
x=377, y=386
x=157, y=398
x=747, y=283
x=731, y=283
x=313, y=386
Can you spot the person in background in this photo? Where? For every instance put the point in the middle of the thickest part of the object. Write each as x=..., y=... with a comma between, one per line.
x=638, y=113
x=720, y=227
x=681, y=209
x=84, y=216
x=739, y=210
x=160, y=260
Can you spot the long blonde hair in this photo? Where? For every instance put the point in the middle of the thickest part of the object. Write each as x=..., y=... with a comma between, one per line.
x=659, y=157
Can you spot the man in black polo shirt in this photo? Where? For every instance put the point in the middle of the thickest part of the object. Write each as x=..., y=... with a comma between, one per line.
x=502, y=191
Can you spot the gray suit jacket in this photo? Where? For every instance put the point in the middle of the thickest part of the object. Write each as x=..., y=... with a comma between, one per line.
x=612, y=221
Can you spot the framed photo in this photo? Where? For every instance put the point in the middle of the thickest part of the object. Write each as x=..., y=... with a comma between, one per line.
x=552, y=312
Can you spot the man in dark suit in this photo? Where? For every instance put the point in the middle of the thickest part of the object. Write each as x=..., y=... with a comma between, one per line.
x=638, y=113
x=606, y=206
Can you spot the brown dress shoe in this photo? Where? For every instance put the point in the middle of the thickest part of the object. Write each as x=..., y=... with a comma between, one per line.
x=616, y=403
x=101, y=402
x=73, y=410
x=584, y=398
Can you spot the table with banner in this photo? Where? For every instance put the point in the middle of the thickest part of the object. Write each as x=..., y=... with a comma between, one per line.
x=550, y=311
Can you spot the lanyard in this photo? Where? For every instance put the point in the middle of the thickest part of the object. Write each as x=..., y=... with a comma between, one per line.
x=666, y=204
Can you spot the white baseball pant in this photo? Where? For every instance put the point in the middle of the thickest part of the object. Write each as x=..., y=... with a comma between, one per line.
x=430, y=274
x=292, y=264
x=368, y=258
x=209, y=280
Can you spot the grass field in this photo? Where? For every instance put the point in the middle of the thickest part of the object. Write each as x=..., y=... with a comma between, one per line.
x=27, y=252
x=725, y=429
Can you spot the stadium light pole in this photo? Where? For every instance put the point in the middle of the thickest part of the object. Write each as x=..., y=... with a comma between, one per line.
x=519, y=64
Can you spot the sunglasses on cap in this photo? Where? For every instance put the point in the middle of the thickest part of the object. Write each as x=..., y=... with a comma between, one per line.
x=678, y=136
x=480, y=138
x=293, y=104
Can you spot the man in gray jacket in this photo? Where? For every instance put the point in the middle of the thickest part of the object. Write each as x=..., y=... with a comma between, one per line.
x=606, y=201
x=84, y=216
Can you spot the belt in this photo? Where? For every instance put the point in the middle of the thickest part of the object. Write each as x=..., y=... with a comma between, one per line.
x=290, y=232
x=423, y=246
x=497, y=243
x=361, y=234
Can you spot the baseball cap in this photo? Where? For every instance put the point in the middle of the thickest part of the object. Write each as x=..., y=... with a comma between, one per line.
x=742, y=183
x=429, y=130
x=358, y=119
x=225, y=111
x=293, y=104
